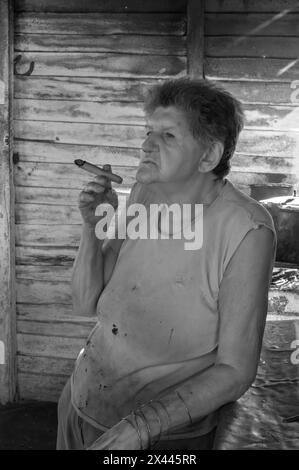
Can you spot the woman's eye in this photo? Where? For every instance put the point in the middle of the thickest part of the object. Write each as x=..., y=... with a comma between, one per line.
x=169, y=135
x=148, y=133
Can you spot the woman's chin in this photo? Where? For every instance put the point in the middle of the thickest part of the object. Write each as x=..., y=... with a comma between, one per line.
x=145, y=176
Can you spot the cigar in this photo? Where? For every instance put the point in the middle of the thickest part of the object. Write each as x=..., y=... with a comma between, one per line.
x=291, y=419
x=98, y=171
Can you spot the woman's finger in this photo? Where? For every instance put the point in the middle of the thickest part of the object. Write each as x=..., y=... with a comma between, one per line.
x=86, y=198
x=101, y=180
x=107, y=167
x=94, y=187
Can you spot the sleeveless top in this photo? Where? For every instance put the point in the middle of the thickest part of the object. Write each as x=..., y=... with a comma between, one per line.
x=158, y=315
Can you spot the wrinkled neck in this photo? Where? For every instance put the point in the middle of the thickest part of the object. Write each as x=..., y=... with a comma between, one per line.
x=203, y=189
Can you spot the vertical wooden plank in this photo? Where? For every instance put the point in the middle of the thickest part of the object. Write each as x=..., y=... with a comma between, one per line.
x=195, y=40
x=7, y=271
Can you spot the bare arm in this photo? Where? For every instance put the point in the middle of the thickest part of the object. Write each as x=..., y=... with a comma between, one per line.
x=92, y=271
x=88, y=273
x=93, y=266
x=243, y=301
x=95, y=259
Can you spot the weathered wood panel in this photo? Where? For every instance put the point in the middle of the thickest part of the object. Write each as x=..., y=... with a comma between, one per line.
x=43, y=273
x=47, y=214
x=269, y=143
x=43, y=292
x=260, y=192
x=162, y=45
x=253, y=54
x=264, y=164
x=262, y=92
x=35, y=345
x=81, y=133
x=54, y=312
x=45, y=236
x=43, y=214
x=49, y=256
x=195, y=28
x=84, y=89
x=45, y=152
x=64, y=235
x=245, y=6
x=103, y=89
x=127, y=6
x=48, y=235
x=258, y=116
x=249, y=178
x=45, y=365
x=7, y=286
x=40, y=387
x=78, y=111
x=65, y=197
x=256, y=142
x=272, y=117
x=247, y=46
x=62, y=175
x=284, y=70
x=47, y=311
x=235, y=24
x=101, y=23
x=54, y=328
x=102, y=64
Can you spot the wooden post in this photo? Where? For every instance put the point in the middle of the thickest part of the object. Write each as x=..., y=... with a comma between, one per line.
x=195, y=32
x=7, y=259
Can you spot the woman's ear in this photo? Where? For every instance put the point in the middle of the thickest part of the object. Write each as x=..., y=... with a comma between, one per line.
x=211, y=158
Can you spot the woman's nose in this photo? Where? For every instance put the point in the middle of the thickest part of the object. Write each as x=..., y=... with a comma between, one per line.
x=150, y=144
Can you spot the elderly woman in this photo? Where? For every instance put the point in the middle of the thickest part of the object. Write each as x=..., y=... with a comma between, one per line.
x=180, y=331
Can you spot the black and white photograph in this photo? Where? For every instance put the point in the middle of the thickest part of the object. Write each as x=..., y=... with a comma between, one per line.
x=149, y=228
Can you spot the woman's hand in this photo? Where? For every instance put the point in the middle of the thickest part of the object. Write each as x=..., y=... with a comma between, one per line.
x=96, y=192
x=122, y=436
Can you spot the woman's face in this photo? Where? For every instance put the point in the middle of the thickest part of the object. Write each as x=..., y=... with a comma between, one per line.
x=170, y=152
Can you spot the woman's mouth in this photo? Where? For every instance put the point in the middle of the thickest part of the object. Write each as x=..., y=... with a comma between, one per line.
x=148, y=162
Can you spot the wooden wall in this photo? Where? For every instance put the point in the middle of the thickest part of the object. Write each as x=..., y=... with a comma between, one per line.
x=92, y=63
x=8, y=372
x=251, y=48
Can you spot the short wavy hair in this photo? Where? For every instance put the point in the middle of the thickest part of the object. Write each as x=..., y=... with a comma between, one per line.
x=214, y=115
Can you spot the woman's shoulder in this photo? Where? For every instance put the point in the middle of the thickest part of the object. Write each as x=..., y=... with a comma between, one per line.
x=242, y=205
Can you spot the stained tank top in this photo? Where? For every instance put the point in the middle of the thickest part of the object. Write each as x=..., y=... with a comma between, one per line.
x=158, y=315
